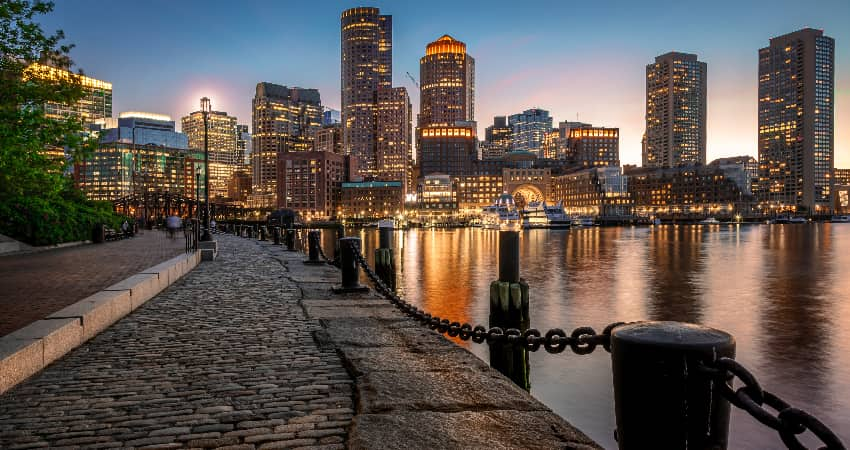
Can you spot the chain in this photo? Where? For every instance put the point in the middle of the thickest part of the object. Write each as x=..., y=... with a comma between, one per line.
x=333, y=262
x=788, y=422
x=581, y=341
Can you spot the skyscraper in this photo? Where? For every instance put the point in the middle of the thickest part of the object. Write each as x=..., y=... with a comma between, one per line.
x=221, y=139
x=394, y=149
x=243, y=144
x=528, y=130
x=283, y=119
x=675, y=111
x=366, y=58
x=497, y=139
x=447, y=90
x=795, y=118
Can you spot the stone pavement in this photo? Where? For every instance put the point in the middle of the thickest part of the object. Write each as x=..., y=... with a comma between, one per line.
x=222, y=358
x=35, y=285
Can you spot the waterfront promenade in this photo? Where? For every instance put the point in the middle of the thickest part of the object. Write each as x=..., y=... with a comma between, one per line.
x=253, y=351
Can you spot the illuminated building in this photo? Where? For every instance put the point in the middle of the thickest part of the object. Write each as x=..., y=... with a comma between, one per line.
x=591, y=146
x=436, y=195
x=243, y=145
x=687, y=192
x=795, y=122
x=448, y=150
x=842, y=198
x=308, y=181
x=222, y=140
x=675, y=111
x=370, y=200
x=476, y=191
x=497, y=138
x=284, y=120
x=842, y=176
x=394, y=149
x=367, y=63
x=598, y=191
x=142, y=155
x=528, y=130
x=95, y=104
x=330, y=117
x=239, y=186
x=745, y=169
x=328, y=139
x=447, y=89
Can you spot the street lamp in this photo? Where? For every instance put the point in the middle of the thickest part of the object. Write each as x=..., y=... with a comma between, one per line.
x=205, y=111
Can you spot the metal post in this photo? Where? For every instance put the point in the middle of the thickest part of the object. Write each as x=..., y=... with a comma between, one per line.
x=661, y=397
x=262, y=234
x=509, y=256
x=289, y=239
x=509, y=307
x=276, y=235
x=206, y=107
x=349, y=268
x=384, y=264
x=313, y=244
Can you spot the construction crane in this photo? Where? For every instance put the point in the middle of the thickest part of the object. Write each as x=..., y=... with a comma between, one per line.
x=413, y=80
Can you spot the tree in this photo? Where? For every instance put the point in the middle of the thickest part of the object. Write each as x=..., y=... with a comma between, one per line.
x=33, y=186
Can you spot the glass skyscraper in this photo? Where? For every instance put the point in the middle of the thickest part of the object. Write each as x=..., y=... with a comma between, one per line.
x=528, y=130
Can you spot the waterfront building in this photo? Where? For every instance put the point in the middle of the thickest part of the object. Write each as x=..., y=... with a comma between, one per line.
x=527, y=184
x=142, y=155
x=370, y=200
x=591, y=146
x=437, y=196
x=675, y=111
x=330, y=117
x=796, y=139
x=744, y=170
x=394, y=149
x=551, y=143
x=687, y=192
x=842, y=199
x=328, y=139
x=366, y=66
x=222, y=140
x=528, y=130
x=842, y=176
x=497, y=139
x=308, y=182
x=476, y=191
x=447, y=89
x=597, y=191
x=284, y=120
x=448, y=150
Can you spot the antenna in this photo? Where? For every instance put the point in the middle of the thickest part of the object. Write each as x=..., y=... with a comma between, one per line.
x=413, y=80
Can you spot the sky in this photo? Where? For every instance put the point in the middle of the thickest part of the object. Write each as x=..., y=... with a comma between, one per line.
x=579, y=60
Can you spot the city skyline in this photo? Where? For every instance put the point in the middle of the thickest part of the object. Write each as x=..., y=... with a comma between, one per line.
x=521, y=62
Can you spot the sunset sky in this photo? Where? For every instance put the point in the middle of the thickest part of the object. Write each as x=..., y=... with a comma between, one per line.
x=582, y=60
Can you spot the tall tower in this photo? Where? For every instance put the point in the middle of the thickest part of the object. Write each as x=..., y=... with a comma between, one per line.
x=795, y=117
x=367, y=63
x=675, y=111
x=394, y=121
x=447, y=90
x=222, y=142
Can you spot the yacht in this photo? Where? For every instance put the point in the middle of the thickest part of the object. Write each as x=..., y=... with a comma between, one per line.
x=541, y=215
x=583, y=221
x=840, y=219
x=797, y=220
x=709, y=221
x=502, y=213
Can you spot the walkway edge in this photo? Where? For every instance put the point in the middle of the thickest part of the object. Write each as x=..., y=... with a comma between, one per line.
x=28, y=350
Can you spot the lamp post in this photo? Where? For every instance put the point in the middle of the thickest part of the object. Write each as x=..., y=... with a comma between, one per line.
x=205, y=111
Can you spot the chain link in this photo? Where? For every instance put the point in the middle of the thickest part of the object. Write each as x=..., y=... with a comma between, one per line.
x=333, y=262
x=788, y=421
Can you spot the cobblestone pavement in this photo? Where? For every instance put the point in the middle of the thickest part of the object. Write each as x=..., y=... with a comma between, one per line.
x=35, y=285
x=223, y=358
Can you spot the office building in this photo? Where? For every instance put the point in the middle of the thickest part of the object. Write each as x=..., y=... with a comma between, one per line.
x=366, y=66
x=528, y=130
x=600, y=192
x=591, y=146
x=284, y=120
x=222, y=140
x=675, y=111
x=394, y=149
x=436, y=196
x=243, y=145
x=447, y=83
x=330, y=117
x=328, y=139
x=688, y=192
x=746, y=167
x=309, y=181
x=497, y=138
x=796, y=88
x=370, y=200
x=447, y=150
x=842, y=176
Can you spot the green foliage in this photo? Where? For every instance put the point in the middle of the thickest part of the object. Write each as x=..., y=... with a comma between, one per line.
x=38, y=204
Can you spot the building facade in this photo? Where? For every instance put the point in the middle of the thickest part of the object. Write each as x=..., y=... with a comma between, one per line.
x=746, y=167
x=591, y=146
x=447, y=150
x=528, y=130
x=328, y=139
x=676, y=93
x=366, y=66
x=497, y=138
x=842, y=176
x=437, y=196
x=598, y=192
x=447, y=89
x=394, y=149
x=309, y=181
x=370, y=200
x=284, y=120
x=796, y=122
x=222, y=140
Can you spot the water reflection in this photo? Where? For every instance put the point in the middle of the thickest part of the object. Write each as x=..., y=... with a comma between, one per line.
x=781, y=290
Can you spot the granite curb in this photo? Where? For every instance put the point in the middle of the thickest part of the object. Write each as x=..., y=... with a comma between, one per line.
x=30, y=349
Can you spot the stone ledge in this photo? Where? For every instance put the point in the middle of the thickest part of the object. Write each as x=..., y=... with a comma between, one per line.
x=97, y=312
x=142, y=288
x=31, y=348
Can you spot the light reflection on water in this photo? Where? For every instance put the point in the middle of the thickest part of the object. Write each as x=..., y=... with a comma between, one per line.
x=783, y=291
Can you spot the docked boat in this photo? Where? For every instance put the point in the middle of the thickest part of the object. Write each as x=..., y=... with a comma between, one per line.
x=583, y=221
x=709, y=221
x=541, y=215
x=797, y=220
x=840, y=219
x=502, y=213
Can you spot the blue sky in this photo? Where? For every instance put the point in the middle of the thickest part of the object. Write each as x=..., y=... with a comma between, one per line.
x=576, y=59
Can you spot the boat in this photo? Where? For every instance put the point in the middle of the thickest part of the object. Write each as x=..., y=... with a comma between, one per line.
x=502, y=213
x=709, y=221
x=583, y=221
x=541, y=215
x=840, y=219
x=797, y=220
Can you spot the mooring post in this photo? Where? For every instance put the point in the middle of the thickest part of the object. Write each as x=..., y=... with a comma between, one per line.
x=349, y=269
x=340, y=233
x=662, y=396
x=313, y=244
x=276, y=233
x=384, y=264
x=289, y=239
x=262, y=233
x=509, y=309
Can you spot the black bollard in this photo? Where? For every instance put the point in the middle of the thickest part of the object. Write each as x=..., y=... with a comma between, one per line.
x=289, y=239
x=384, y=264
x=509, y=309
x=276, y=234
x=348, y=266
x=509, y=256
x=262, y=234
x=661, y=397
x=313, y=244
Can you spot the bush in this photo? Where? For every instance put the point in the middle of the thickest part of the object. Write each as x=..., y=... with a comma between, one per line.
x=38, y=221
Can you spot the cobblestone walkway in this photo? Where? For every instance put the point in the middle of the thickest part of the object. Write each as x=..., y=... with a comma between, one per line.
x=35, y=285
x=223, y=358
